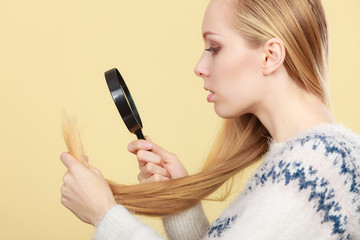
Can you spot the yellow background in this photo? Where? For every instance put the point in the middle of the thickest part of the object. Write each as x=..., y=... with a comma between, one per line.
x=52, y=58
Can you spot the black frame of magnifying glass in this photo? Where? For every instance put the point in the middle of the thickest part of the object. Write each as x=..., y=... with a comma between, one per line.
x=124, y=102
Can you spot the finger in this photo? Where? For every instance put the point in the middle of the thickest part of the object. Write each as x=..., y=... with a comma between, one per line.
x=148, y=171
x=66, y=177
x=68, y=160
x=154, y=178
x=95, y=170
x=85, y=161
x=145, y=157
x=85, y=158
x=63, y=201
x=141, y=164
x=137, y=145
x=165, y=155
x=152, y=169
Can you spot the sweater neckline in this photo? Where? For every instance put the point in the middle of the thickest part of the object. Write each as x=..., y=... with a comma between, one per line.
x=325, y=128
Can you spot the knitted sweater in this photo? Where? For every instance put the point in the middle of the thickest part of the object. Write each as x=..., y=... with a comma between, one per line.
x=308, y=187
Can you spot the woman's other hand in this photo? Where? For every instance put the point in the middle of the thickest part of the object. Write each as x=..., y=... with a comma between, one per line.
x=157, y=164
x=85, y=191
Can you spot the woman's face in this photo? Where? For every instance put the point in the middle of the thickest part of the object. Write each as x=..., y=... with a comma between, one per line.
x=230, y=68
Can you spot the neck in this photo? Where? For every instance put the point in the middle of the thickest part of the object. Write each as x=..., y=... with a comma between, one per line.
x=290, y=111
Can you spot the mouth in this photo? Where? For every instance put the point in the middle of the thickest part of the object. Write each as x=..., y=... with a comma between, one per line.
x=211, y=95
x=208, y=90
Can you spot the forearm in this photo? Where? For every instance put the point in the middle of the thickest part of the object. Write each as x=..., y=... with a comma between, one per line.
x=191, y=224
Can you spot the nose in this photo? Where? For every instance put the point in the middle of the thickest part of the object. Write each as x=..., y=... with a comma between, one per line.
x=201, y=68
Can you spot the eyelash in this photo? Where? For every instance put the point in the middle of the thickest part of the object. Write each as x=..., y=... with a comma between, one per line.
x=213, y=50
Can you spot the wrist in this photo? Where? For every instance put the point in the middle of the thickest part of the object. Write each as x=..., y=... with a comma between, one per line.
x=101, y=214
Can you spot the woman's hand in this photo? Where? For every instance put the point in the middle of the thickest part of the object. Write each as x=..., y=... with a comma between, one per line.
x=85, y=191
x=157, y=164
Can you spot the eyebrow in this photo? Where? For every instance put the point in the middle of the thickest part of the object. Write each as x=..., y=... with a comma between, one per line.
x=205, y=34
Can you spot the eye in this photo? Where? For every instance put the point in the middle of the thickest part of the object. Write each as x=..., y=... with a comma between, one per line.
x=213, y=50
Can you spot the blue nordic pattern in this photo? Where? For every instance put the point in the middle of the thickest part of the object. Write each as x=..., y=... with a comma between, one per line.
x=320, y=193
x=279, y=171
x=220, y=225
x=335, y=148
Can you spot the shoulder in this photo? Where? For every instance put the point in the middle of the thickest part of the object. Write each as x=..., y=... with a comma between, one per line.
x=330, y=140
x=328, y=150
x=321, y=169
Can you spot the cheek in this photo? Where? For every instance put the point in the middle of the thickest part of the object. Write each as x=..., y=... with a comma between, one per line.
x=241, y=86
x=240, y=65
x=243, y=74
x=236, y=102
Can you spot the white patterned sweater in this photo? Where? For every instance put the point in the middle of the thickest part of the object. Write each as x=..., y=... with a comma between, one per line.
x=307, y=188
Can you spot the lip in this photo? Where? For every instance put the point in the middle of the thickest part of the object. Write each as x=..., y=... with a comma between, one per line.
x=211, y=95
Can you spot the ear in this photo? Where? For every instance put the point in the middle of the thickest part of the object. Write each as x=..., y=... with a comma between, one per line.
x=273, y=56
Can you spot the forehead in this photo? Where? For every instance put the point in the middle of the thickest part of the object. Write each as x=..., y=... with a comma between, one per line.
x=217, y=16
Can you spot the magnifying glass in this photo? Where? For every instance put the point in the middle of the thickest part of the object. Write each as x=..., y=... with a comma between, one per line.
x=124, y=102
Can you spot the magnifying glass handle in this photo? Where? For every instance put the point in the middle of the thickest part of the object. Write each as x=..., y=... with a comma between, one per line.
x=139, y=134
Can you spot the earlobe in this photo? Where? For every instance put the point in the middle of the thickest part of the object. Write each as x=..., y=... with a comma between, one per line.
x=274, y=56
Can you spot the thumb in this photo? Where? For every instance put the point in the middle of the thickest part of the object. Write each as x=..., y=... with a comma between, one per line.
x=159, y=150
x=85, y=161
x=68, y=160
x=155, y=148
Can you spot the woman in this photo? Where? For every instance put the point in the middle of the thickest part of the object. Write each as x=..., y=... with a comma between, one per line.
x=265, y=65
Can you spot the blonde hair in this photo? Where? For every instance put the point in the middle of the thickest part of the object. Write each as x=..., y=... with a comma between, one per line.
x=302, y=27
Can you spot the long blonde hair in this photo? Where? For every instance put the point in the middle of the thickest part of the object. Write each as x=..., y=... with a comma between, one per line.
x=302, y=27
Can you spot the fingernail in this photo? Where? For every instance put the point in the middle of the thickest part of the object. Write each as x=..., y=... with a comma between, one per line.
x=148, y=145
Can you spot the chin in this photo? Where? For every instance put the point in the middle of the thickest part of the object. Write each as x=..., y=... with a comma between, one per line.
x=227, y=113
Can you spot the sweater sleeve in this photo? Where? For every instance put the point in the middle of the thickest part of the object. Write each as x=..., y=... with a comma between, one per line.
x=119, y=224
x=188, y=225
